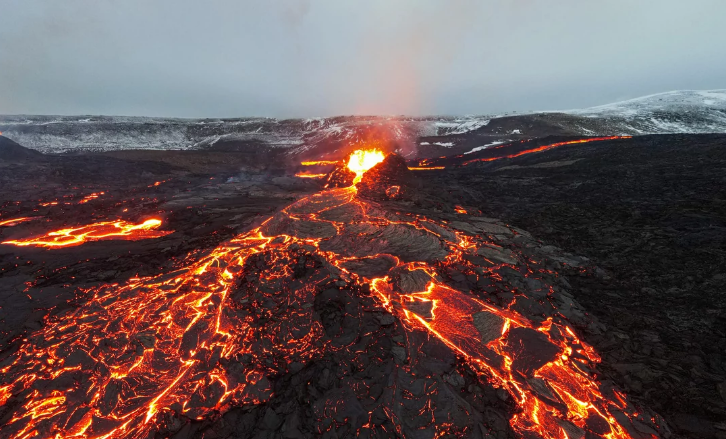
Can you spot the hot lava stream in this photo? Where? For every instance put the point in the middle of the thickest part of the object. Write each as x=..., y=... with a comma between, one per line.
x=198, y=341
x=15, y=221
x=100, y=231
x=496, y=153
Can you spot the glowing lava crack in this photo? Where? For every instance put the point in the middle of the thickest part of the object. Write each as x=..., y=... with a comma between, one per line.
x=100, y=231
x=211, y=336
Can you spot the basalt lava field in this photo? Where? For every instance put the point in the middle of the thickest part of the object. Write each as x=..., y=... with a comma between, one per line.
x=556, y=287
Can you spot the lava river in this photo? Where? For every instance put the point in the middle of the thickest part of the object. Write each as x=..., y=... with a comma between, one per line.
x=195, y=342
x=100, y=231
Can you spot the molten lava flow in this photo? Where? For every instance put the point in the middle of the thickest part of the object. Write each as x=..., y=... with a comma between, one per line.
x=119, y=229
x=320, y=162
x=15, y=221
x=90, y=197
x=203, y=339
x=422, y=168
x=556, y=397
x=547, y=147
x=306, y=175
x=460, y=210
x=362, y=160
x=83, y=200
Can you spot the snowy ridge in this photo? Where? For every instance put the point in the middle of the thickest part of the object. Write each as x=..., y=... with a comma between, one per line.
x=677, y=101
x=488, y=145
x=665, y=113
x=687, y=111
x=54, y=134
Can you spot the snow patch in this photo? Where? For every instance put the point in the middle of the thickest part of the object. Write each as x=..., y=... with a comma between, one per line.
x=459, y=126
x=488, y=145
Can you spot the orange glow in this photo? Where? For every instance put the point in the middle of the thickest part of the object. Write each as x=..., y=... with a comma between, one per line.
x=93, y=196
x=306, y=175
x=320, y=162
x=451, y=321
x=460, y=209
x=547, y=147
x=420, y=168
x=175, y=340
x=15, y=221
x=83, y=200
x=119, y=229
x=362, y=160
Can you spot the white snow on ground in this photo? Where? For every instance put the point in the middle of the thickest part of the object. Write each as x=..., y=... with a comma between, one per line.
x=488, y=145
x=685, y=111
x=460, y=126
x=668, y=101
x=664, y=113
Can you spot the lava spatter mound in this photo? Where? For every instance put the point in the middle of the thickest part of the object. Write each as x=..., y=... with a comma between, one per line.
x=390, y=179
x=341, y=176
x=334, y=317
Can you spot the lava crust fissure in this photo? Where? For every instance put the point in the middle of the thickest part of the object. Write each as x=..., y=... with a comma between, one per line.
x=331, y=280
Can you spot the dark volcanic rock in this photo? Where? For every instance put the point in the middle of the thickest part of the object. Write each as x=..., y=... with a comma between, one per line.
x=390, y=179
x=341, y=177
x=650, y=212
x=12, y=151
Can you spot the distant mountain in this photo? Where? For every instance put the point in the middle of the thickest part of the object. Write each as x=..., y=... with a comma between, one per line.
x=672, y=112
x=665, y=113
x=303, y=137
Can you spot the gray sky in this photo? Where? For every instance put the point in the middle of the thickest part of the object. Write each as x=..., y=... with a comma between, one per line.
x=290, y=58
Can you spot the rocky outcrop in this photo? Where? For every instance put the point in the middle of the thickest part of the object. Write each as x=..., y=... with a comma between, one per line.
x=389, y=180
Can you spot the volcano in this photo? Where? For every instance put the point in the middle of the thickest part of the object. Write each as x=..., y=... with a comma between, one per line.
x=374, y=299
x=330, y=277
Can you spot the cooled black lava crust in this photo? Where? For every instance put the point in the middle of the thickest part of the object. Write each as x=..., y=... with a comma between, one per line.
x=650, y=212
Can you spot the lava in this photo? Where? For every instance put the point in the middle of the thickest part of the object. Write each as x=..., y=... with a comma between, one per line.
x=90, y=197
x=362, y=160
x=203, y=339
x=15, y=221
x=83, y=200
x=105, y=230
x=546, y=147
x=453, y=320
x=306, y=175
x=320, y=163
x=423, y=168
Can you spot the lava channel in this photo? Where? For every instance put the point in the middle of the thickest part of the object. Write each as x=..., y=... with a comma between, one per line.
x=120, y=230
x=545, y=148
x=15, y=221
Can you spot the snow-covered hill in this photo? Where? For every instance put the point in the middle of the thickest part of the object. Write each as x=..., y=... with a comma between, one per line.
x=53, y=134
x=687, y=111
x=665, y=113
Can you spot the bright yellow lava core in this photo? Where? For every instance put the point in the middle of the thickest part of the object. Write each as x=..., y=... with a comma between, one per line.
x=363, y=160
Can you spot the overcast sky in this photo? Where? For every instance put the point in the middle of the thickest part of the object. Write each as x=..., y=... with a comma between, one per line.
x=290, y=58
